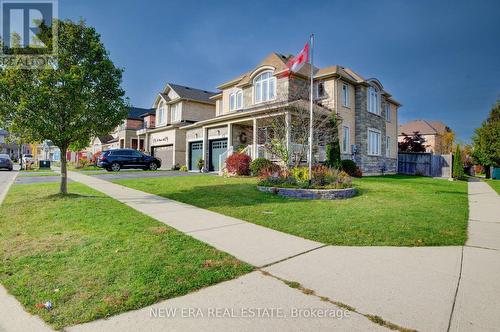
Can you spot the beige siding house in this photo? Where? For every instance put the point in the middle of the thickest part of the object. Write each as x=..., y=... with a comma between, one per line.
x=368, y=133
x=434, y=132
x=174, y=108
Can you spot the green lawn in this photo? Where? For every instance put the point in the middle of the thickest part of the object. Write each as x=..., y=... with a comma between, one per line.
x=94, y=257
x=495, y=184
x=390, y=210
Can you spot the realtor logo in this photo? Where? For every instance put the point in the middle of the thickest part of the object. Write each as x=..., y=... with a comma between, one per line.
x=20, y=22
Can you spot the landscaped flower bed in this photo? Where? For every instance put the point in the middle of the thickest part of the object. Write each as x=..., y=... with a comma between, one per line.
x=326, y=183
x=311, y=193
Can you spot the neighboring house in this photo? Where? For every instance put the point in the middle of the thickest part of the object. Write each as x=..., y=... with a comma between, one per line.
x=10, y=148
x=434, y=132
x=124, y=135
x=368, y=133
x=103, y=143
x=175, y=107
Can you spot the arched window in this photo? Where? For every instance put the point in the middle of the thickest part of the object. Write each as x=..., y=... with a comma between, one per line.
x=373, y=100
x=264, y=87
x=161, y=113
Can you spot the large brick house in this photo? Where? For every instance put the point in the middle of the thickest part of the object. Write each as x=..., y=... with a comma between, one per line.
x=368, y=132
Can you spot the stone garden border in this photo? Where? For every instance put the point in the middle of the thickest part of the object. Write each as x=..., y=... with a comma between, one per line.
x=310, y=193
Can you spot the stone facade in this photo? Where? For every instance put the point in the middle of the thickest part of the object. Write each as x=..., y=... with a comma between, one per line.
x=365, y=120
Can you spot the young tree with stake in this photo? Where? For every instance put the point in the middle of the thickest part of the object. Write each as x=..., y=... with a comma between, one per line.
x=78, y=98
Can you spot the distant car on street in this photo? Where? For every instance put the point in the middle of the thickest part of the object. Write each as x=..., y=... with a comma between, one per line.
x=6, y=162
x=114, y=160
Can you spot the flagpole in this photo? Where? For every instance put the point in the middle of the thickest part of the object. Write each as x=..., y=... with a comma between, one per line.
x=311, y=96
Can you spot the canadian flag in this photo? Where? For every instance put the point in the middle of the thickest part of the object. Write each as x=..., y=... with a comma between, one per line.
x=295, y=63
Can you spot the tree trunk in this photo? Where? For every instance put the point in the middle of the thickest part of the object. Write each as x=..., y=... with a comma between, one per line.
x=64, y=171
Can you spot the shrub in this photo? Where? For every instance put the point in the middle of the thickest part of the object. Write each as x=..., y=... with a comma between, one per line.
x=238, y=163
x=200, y=164
x=183, y=168
x=95, y=157
x=351, y=168
x=176, y=167
x=348, y=166
x=458, y=165
x=322, y=178
x=300, y=174
x=258, y=164
x=272, y=170
x=82, y=163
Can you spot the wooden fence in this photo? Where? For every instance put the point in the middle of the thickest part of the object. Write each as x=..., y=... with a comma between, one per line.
x=426, y=164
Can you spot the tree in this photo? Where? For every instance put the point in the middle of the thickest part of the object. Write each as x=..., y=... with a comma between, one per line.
x=486, y=140
x=284, y=131
x=333, y=158
x=78, y=98
x=414, y=143
x=445, y=142
x=458, y=165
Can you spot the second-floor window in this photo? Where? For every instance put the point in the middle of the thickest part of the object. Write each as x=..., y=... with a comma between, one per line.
x=373, y=101
x=388, y=112
x=320, y=90
x=161, y=113
x=345, y=95
x=264, y=87
x=236, y=101
x=175, y=112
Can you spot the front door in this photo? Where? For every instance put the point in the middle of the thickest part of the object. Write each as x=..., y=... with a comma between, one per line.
x=217, y=147
x=196, y=152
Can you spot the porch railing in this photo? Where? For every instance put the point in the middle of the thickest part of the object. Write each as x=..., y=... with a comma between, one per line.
x=223, y=157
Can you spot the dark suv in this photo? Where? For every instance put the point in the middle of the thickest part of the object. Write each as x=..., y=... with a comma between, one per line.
x=114, y=160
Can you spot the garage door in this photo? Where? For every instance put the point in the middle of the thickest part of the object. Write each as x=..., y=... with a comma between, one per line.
x=217, y=147
x=166, y=154
x=196, y=152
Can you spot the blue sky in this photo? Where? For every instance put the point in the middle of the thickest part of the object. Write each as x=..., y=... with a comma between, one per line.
x=440, y=59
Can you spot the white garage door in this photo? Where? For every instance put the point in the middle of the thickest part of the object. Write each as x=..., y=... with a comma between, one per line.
x=166, y=154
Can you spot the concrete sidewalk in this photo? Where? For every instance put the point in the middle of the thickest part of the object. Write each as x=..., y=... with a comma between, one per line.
x=477, y=306
x=253, y=291
x=248, y=242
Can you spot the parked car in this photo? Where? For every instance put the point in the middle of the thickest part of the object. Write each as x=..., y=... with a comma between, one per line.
x=6, y=162
x=114, y=160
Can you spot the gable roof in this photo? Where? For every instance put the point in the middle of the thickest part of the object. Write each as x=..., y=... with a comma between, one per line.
x=279, y=63
x=186, y=92
x=134, y=113
x=424, y=127
x=105, y=139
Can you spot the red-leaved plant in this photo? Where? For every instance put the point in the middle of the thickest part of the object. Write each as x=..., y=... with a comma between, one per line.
x=238, y=164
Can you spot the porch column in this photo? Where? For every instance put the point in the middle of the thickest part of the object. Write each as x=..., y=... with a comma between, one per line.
x=288, y=123
x=205, y=147
x=229, y=135
x=254, y=147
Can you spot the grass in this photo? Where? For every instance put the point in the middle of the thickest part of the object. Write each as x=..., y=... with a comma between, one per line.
x=495, y=184
x=93, y=256
x=390, y=210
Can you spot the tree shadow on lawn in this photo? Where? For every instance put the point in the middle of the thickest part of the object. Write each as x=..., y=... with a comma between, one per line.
x=69, y=196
